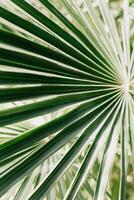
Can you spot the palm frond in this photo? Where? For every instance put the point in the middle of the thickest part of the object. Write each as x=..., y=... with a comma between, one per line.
x=66, y=96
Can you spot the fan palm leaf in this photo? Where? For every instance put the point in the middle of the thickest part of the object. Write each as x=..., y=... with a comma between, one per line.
x=67, y=109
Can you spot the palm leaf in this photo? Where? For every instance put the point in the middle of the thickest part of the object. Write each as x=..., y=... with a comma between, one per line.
x=66, y=96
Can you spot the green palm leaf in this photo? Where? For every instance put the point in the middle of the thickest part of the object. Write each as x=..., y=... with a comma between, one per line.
x=66, y=96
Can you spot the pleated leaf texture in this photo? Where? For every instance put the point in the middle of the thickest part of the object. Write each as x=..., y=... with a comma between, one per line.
x=66, y=99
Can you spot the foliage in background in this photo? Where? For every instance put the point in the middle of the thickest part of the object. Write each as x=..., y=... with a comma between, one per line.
x=66, y=99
